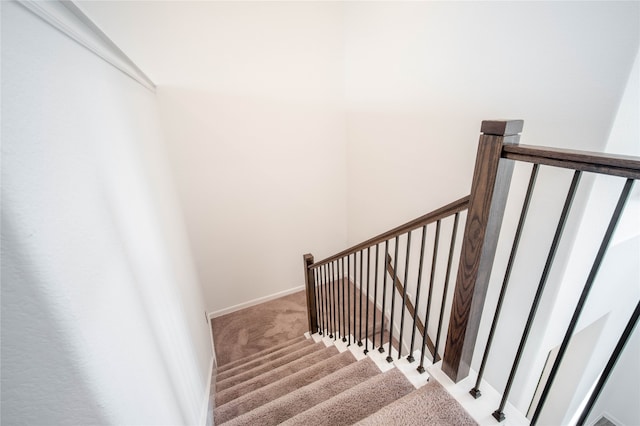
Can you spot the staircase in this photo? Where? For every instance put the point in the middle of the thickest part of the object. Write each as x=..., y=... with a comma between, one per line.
x=339, y=374
x=322, y=381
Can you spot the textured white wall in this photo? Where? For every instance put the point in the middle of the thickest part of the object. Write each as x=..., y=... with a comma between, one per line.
x=102, y=317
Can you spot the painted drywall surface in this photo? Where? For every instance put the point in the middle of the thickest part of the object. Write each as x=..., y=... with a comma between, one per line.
x=98, y=311
x=250, y=96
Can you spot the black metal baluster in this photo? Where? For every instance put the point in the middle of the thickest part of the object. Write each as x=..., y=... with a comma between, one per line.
x=360, y=291
x=338, y=298
x=328, y=303
x=404, y=293
x=333, y=300
x=317, y=298
x=318, y=282
x=355, y=304
x=445, y=289
x=604, y=245
x=320, y=323
x=324, y=299
x=475, y=392
x=425, y=334
x=375, y=298
x=349, y=298
x=410, y=358
x=499, y=413
x=613, y=359
x=384, y=296
x=366, y=337
x=344, y=318
x=393, y=297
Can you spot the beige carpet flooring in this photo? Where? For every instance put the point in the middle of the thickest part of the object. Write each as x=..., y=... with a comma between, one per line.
x=270, y=374
x=254, y=329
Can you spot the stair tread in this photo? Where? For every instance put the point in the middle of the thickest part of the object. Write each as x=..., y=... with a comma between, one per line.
x=272, y=356
x=430, y=405
x=284, y=386
x=240, y=361
x=267, y=377
x=268, y=366
x=357, y=402
x=296, y=402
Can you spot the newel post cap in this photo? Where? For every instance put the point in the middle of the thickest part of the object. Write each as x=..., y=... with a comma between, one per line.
x=502, y=127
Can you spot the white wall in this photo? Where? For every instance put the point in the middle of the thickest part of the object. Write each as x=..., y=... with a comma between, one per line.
x=102, y=315
x=251, y=101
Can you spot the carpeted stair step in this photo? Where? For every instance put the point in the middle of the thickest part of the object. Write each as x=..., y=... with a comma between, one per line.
x=268, y=366
x=429, y=405
x=273, y=374
x=241, y=361
x=284, y=386
x=310, y=396
x=357, y=402
x=250, y=364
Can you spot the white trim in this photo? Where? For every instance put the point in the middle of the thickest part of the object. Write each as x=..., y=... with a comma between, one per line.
x=68, y=18
x=204, y=411
x=254, y=302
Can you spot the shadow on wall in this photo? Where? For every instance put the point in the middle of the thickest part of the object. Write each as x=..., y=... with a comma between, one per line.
x=41, y=381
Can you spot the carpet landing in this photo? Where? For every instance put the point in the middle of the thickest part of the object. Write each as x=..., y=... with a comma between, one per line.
x=296, y=381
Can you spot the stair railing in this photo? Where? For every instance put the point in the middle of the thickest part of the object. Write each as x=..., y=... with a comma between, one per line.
x=494, y=166
x=338, y=285
x=332, y=282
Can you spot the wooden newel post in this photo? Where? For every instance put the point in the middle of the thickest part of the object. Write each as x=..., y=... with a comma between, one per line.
x=310, y=286
x=489, y=190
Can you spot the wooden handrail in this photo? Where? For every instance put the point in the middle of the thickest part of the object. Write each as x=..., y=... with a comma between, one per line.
x=610, y=164
x=441, y=213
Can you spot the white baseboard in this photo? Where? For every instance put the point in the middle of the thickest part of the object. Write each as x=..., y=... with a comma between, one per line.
x=204, y=411
x=254, y=302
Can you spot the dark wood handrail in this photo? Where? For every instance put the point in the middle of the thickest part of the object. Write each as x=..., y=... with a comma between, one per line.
x=441, y=213
x=610, y=164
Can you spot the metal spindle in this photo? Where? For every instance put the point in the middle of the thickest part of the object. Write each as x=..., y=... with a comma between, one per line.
x=425, y=335
x=475, y=392
x=355, y=304
x=316, y=290
x=445, y=289
x=349, y=297
x=393, y=296
x=613, y=359
x=318, y=280
x=334, y=265
x=366, y=337
x=360, y=293
x=344, y=319
x=384, y=298
x=604, y=245
x=499, y=413
x=375, y=298
x=324, y=293
x=329, y=300
x=410, y=358
x=404, y=293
